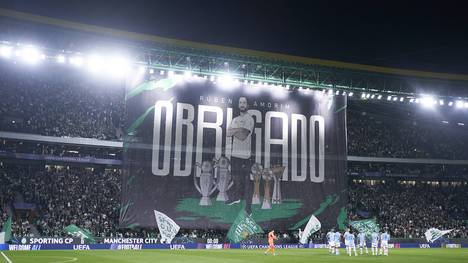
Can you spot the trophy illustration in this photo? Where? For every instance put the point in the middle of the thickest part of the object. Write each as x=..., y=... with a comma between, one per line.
x=267, y=175
x=224, y=181
x=207, y=186
x=256, y=172
x=277, y=175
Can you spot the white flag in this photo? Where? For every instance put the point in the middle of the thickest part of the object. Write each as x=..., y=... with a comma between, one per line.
x=432, y=234
x=167, y=227
x=312, y=226
x=2, y=237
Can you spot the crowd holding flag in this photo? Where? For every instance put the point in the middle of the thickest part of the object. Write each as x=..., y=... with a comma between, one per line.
x=243, y=226
x=84, y=234
x=367, y=226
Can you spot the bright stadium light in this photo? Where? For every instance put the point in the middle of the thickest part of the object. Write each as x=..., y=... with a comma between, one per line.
x=411, y=100
x=379, y=97
x=151, y=71
x=76, y=61
x=94, y=63
x=450, y=103
x=441, y=102
x=330, y=92
x=373, y=96
x=30, y=55
x=118, y=65
x=402, y=99
x=459, y=104
x=417, y=101
x=427, y=101
x=61, y=59
x=6, y=51
x=187, y=74
x=337, y=92
x=389, y=98
x=226, y=80
x=363, y=95
x=351, y=94
x=466, y=105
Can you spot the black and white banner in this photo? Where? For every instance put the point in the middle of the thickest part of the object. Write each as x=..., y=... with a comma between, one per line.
x=200, y=151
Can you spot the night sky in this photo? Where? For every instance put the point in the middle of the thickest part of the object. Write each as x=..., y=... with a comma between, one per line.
x=419, y=35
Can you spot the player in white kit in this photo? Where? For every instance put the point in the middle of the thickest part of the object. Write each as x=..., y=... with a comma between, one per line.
x=346, y=239
x=350, y=243
x=384, y=238
x=331, y=241
x=375, y=243
x=337, y=242
x=362, y=242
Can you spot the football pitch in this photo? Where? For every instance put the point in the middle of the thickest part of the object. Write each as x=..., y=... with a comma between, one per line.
x=237, y=255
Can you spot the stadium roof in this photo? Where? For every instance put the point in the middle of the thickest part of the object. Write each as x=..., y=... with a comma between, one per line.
x=224, y=49
x=285, y=68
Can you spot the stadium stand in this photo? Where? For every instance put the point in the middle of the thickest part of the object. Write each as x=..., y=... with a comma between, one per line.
x=56, y=197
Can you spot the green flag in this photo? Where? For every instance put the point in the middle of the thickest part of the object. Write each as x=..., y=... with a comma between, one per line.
x=366, y=226
x=242, y=227
x=6, y=230
x=75, y=231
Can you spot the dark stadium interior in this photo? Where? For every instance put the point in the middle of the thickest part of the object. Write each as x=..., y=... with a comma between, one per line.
x=407, y=165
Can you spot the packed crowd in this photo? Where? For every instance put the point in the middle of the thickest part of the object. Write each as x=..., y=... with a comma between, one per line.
x=91, y=199
x=54, y=103
x=409, y=210
x=379, y=135
x=59, y=150
x=406, y=170
x=83, y=197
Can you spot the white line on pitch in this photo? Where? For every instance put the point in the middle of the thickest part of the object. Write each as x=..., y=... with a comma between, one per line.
x=7, y=259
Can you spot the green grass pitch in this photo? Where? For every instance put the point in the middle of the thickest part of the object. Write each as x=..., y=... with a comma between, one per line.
x=234, y=256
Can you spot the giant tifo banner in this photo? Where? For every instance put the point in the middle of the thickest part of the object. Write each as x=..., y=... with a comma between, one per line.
x=200, y=150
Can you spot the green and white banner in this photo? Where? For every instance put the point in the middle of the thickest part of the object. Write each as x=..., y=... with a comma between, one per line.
x=432, y=234
x=201, y=150
x=75, y=231
x=167, y=227
x=243, y=226
x=5, y=235
x=312, y=226
x=367, y=226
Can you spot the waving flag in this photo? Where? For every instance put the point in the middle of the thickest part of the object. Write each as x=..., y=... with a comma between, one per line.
x=312, y=226
x=243, y=226
x=167, y=227
x=366, y=226
x=432, y=234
